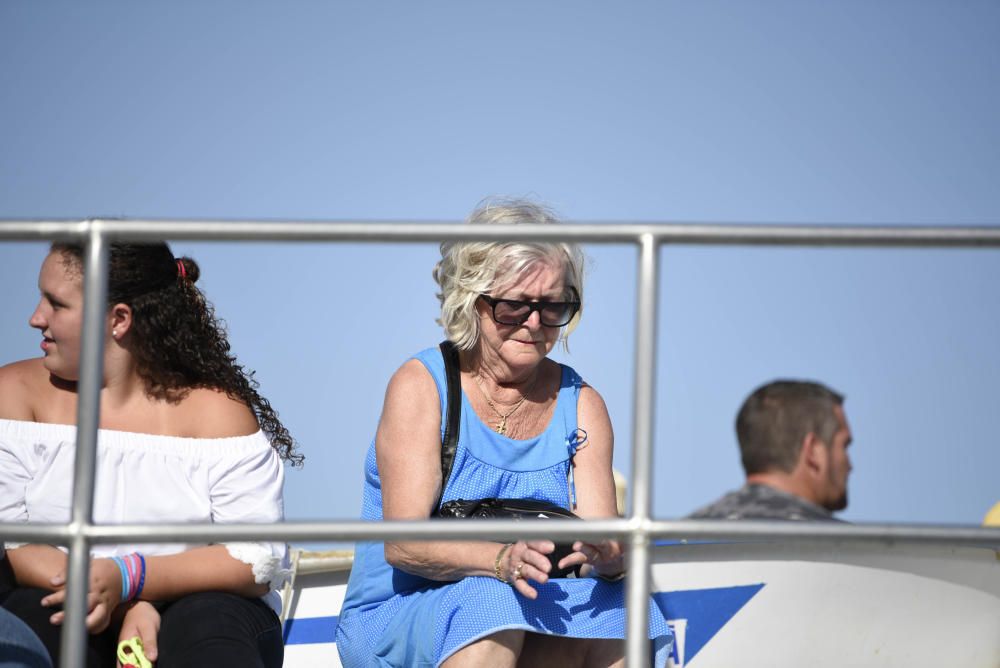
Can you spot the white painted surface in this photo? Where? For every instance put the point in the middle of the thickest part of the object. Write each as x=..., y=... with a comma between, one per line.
x=819, y=606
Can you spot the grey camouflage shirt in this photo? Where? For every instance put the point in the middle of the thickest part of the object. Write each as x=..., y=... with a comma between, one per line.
x=761, y=502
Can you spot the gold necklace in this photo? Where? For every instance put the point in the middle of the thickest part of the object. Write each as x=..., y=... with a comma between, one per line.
x=501, y=427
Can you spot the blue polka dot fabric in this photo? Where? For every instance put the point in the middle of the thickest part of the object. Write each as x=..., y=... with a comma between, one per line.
x=392, y=618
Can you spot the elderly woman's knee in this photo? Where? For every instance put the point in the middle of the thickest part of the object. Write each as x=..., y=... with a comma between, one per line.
x=566, y=651
x=605, y=653
x=500, y=648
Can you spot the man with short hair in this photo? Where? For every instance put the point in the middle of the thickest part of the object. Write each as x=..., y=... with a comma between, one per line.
x=793, y=439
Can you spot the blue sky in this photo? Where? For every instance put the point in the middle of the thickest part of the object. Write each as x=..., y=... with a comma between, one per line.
x=788, y=112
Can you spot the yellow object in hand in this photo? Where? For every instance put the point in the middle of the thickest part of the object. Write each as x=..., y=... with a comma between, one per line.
x=130, y=653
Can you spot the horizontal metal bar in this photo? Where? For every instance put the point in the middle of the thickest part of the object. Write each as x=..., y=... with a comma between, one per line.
x=434, y=231
x=350, y=530
x=37, y=532
x=827, y=532
x=353, y=530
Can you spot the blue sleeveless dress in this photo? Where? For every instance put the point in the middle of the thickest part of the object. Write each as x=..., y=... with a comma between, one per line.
x=392, y=618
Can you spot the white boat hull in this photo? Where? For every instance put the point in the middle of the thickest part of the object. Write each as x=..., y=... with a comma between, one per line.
x=774, y=605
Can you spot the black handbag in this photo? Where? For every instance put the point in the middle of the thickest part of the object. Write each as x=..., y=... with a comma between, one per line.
x=491, y=508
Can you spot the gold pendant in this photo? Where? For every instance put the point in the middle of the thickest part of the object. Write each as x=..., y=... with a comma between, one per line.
x=502, y=426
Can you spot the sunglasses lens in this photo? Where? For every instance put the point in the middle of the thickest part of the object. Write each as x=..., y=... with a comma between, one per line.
x=555, y=315
x=511, y=313
x=551, y=314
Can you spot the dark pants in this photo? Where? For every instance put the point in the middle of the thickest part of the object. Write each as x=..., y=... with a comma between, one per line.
x=19, y=646
x=206, y=629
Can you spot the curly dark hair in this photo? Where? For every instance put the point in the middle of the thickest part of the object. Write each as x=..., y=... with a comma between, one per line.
x=178, y=343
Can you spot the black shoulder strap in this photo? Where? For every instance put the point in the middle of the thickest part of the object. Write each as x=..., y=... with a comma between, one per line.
x=449, y=441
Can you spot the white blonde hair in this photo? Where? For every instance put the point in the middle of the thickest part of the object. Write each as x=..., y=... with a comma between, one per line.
x=468, y=269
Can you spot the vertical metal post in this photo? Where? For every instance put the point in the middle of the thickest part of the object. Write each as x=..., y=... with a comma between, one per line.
x=638, y=581
x=95, y=290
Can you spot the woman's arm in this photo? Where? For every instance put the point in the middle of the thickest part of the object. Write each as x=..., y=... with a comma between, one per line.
x=209, y=568
x=408, y=452
x=36, y=565
x=167, y=578
x=33, y=565
x=595, y=485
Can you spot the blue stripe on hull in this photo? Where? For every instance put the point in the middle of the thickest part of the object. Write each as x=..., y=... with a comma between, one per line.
x=707, y=611
x=311, y=630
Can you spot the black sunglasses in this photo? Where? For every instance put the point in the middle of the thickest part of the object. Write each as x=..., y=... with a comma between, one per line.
x=516, y=312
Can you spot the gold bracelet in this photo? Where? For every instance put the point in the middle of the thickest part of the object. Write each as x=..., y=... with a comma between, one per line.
x=496, y=564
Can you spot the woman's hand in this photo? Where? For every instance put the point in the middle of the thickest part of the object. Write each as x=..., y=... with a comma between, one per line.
x=102, y=599
x=141, y=620
x=606, y=559
x=527, y=560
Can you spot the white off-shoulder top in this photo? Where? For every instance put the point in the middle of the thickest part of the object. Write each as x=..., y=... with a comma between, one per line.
x=145, y=478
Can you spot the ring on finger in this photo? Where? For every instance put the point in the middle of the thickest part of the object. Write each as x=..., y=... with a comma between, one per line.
x=518, y=569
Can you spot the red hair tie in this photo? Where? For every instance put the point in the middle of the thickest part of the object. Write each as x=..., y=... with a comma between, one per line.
x=181, y=271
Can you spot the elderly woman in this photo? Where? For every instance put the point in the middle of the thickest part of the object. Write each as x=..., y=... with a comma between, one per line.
x=530, y=428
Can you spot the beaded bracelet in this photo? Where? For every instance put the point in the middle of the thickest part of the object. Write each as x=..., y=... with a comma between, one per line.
x=496, y=564
x=132, y=568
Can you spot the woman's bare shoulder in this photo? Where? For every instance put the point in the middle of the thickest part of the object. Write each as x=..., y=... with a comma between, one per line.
x=23, y=371
x=412, y=376
x=592, y=415
x=21, y=384
x=411, y=392
x=591, y=399
x=411, y=402
x=211, y=413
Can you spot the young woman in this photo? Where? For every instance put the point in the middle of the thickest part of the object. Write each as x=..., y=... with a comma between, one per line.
x=185, y=437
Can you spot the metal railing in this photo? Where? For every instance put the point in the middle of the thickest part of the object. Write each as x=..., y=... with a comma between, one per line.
x=638, y=528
